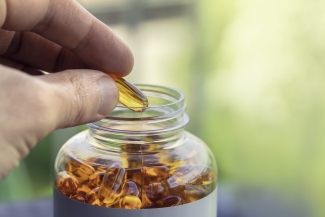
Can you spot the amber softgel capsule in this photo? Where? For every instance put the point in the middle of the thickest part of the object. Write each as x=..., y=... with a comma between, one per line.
x=130, y=95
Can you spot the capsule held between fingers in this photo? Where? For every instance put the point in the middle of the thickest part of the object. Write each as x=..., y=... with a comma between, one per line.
x=130, y=95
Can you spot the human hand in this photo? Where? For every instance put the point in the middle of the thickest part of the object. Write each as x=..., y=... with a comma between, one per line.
x=54, y=36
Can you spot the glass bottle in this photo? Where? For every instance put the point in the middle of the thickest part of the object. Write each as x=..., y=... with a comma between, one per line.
x=137, y=164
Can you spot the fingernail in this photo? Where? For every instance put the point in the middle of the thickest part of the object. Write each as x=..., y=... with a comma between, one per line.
x=109, y=95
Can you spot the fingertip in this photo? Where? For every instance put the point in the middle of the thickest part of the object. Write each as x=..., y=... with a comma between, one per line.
x=121, y=63
x=115, y=56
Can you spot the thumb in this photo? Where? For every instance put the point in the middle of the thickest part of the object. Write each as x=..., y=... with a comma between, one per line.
x=80, y=96
x=31, y=107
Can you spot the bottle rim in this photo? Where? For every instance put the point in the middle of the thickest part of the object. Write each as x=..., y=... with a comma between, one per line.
x=175, y=94
x=166, y=109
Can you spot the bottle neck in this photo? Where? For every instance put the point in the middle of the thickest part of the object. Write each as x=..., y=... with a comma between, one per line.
x=159, y=126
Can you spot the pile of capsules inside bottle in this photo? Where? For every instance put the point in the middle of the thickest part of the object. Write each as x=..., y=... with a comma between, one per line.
x=133, y=188
x=131, y=184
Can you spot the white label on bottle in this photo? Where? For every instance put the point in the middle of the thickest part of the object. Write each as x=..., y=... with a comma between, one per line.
x=66, y=207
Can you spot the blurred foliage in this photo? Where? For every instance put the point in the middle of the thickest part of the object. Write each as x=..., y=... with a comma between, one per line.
x=253, y=75
x=263, y=112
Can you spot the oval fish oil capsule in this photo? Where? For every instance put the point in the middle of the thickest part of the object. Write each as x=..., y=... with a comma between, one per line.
x=166, y=202
x=130, y=96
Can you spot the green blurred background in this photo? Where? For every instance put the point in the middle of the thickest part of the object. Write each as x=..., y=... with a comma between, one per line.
x=253, y=73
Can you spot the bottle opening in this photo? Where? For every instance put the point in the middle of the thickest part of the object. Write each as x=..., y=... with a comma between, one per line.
x=165, y=113
x=162, y=101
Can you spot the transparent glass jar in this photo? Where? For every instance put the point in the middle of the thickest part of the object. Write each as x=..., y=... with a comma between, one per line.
x=137, y=164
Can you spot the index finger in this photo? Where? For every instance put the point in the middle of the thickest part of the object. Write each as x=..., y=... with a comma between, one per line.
x=68, y=24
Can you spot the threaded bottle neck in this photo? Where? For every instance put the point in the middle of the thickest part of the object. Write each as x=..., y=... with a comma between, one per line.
x=163, y=121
